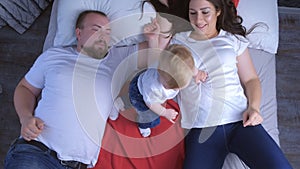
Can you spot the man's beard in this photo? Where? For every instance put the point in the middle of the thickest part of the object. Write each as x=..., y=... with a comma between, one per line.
x=95, y=51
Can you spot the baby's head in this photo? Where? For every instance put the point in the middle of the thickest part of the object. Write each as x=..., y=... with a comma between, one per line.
x=176, y=67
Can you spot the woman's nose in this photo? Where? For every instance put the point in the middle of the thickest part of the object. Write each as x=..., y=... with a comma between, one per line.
x=199, y=17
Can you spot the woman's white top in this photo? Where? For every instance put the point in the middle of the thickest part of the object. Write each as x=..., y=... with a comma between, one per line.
x=220, y=99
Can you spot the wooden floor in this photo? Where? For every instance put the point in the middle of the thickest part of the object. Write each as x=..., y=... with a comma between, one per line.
x=288, y=83
x=18, y=52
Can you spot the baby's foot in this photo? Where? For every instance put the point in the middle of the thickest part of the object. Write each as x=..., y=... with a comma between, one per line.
x=145, y=132
x=114, y=114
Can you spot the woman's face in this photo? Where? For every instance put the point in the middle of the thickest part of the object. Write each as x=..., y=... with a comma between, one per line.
x=203, y=17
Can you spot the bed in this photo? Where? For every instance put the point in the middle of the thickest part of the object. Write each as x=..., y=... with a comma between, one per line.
x=122, y=145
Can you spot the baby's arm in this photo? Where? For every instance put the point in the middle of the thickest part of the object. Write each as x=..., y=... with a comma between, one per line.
x=157, y=108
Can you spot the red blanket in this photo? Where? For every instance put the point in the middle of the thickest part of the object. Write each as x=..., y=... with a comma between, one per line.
x=124, y=148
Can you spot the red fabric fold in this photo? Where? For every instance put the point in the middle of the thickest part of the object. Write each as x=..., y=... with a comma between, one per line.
x=124, y=147
x=236, y=2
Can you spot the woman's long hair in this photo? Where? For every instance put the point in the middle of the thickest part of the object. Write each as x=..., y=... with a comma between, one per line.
x=229, y=20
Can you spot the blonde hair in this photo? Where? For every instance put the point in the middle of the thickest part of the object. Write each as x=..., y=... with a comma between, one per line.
x=176, y=66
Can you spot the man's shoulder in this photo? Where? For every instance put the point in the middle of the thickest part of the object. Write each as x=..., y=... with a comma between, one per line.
x=123, y=47
x=60, y=49
x=57, y=52
x=122, y=51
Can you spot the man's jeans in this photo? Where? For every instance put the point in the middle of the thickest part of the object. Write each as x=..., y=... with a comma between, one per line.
x=26, y=156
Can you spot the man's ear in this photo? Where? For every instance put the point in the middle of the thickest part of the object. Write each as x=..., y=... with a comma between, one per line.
x=78, y=33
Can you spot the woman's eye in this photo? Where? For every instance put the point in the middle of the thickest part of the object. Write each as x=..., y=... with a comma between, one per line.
x=192, y=13
x=205, y=12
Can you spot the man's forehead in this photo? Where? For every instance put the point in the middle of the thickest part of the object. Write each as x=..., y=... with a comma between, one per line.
x=98, y=22
x=98, y=17
x=102, y=26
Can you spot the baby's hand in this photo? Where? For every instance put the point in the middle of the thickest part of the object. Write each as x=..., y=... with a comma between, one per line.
x=170, y=114
x=152, y=30
x=200, y=76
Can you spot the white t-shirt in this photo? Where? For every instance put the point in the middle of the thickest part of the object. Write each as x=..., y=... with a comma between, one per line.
x=76, y=99
x=151, y=88
x=220, y=99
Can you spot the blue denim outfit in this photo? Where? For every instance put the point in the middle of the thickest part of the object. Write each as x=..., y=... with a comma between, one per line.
x=146, y=118
x=252, y=144
x=27, y=156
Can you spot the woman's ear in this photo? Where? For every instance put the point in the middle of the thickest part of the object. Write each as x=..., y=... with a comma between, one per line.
x=164, y=2
x=219, y=12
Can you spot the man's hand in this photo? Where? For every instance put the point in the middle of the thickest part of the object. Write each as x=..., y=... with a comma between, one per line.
x=152, y=30
x=31, y=127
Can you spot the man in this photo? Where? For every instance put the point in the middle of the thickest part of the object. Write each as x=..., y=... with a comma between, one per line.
x=64, y=128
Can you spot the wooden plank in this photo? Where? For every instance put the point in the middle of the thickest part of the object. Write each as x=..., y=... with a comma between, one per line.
x=288, y=79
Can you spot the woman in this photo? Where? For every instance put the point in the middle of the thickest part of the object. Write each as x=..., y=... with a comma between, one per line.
x=224, y=115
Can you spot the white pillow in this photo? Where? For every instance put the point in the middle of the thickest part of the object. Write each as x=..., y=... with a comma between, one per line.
x=253, y=11
x=125, y=15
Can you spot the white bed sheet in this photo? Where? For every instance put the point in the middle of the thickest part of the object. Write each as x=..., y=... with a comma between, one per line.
x=264, y=63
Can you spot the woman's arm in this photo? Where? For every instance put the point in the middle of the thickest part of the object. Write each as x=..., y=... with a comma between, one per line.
x=251, y=83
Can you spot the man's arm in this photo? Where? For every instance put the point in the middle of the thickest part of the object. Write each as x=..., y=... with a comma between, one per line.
x=25, y=99
x=158, y=36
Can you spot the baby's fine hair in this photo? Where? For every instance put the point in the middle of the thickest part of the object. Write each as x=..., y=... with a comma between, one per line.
x=176, y=66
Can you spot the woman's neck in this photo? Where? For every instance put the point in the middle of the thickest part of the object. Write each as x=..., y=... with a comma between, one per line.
x=199, y=36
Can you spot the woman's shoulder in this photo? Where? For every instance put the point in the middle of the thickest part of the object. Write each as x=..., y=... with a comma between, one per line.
x=239, y=43
x=233, y=37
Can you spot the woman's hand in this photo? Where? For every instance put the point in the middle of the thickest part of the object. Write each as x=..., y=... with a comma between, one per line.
x=252, y=117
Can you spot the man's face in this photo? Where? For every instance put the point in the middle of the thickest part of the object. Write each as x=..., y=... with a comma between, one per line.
x=94, y=36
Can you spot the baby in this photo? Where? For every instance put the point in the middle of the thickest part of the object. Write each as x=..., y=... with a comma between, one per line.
x=149, y=89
